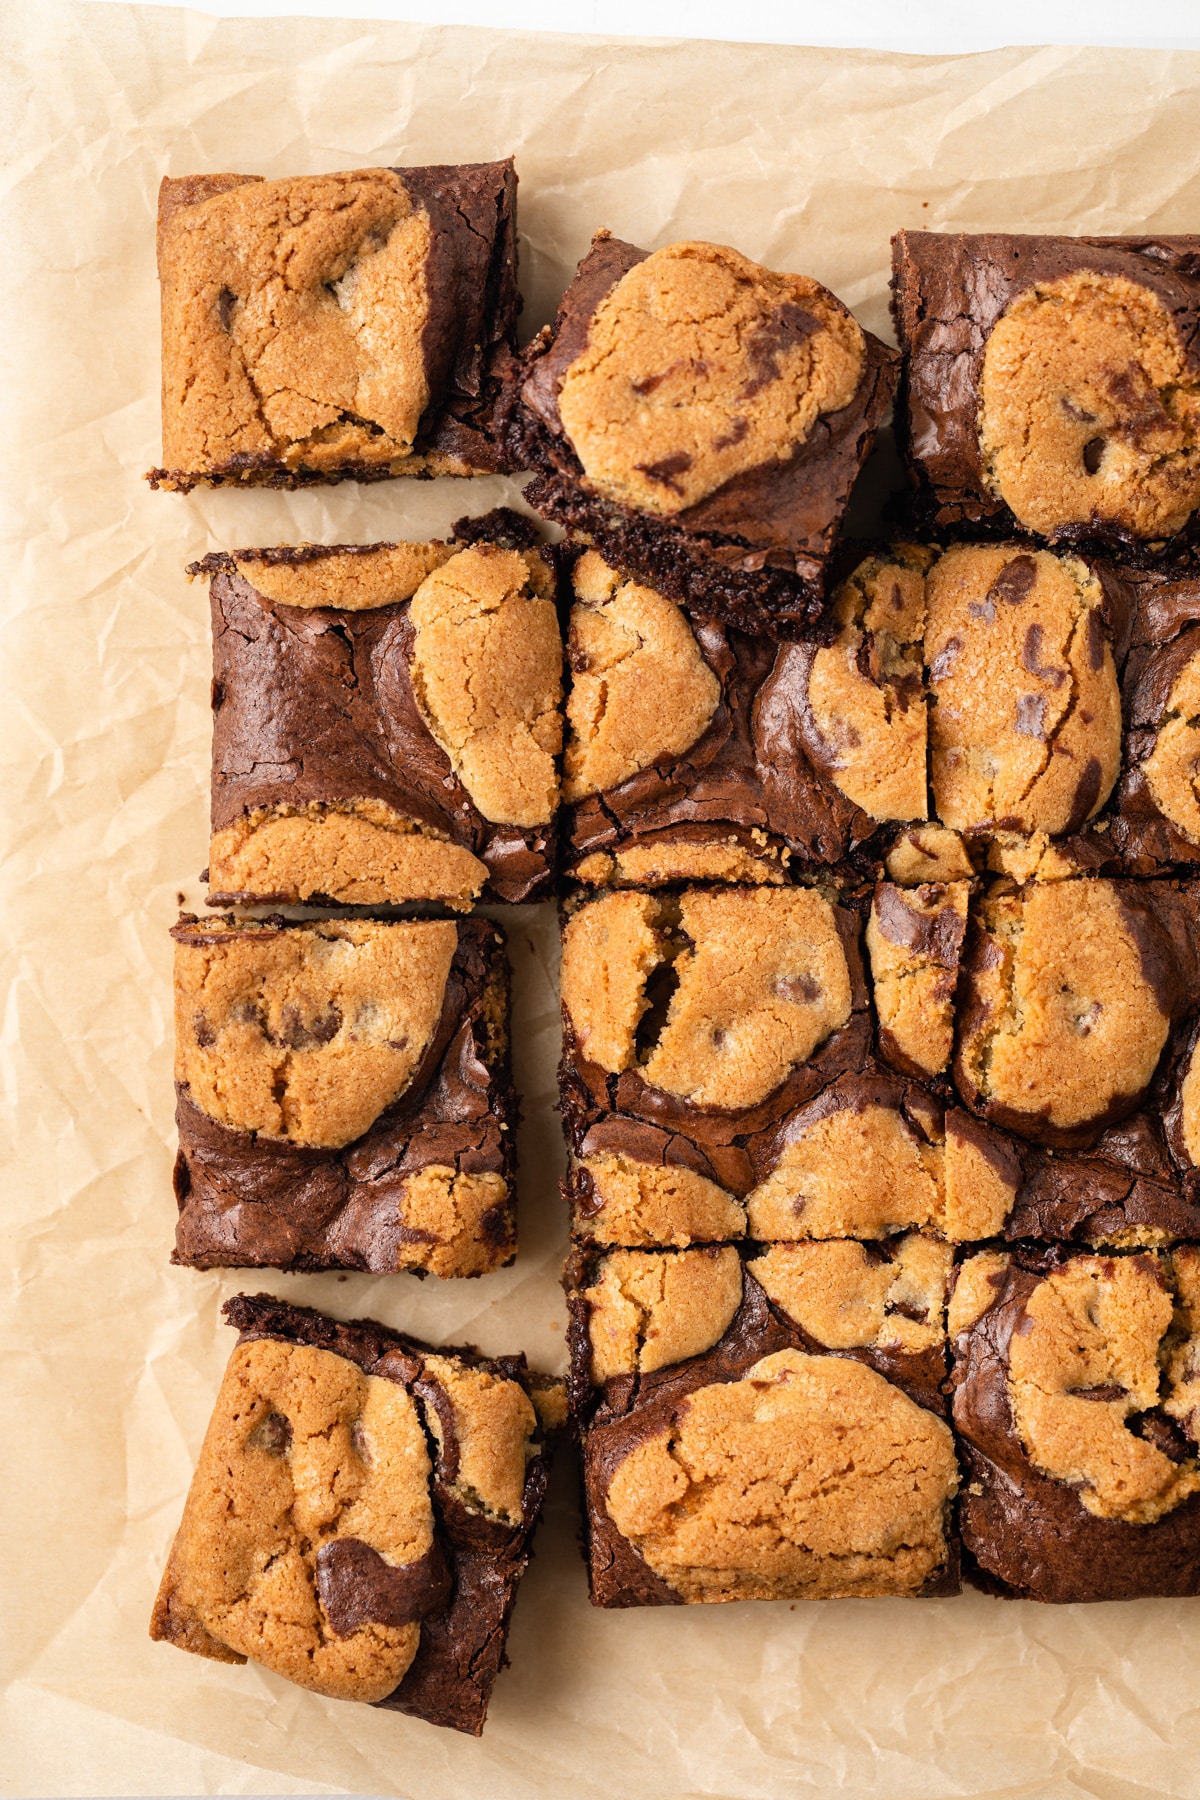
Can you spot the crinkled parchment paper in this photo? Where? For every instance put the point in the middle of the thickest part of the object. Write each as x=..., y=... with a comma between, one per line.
x=805, y=159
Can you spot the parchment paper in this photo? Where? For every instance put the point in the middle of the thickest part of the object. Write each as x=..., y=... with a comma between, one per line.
x=805, y=159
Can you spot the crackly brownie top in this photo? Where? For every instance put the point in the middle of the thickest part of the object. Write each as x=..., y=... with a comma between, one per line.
x=810, y=1475
x=640, y=688
x=1089, y=411
x=487, y=673
x=306, y=1032
x=699, y=365
x=761, y=979
x=865, y=715
x=848, y=1296
x=294, y=314
x=1068, y=1008
x=1025, y=730
x=1101, y=1372
x=308, y=1539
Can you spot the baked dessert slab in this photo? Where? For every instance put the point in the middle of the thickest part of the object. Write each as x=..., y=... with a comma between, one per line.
x=1076, y=1413
x=764, y=1430
x=337, y=327
x=1156, y=821
x=361, y=1512
x=701, y=420
x=1052, y=384
x=345, y=1096
x=386, y=720
x=698, y=751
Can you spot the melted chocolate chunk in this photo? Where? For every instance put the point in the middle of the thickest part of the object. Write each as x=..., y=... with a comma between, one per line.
x=357, y=1587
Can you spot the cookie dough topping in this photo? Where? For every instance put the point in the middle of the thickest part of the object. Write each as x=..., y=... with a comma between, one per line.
x=648, y=1309
x=811, y=1477
x=850, y=1299
x=487, y=673
x=1062, y=1028
x=866, y=725
x=1172, y=769
x=456, y=1221
x=1083, y=1363
x=640, y=689
x=1090, y=410
x=484, y=1428
x=351, y=581
x=307, y=1543
x=1025, y=726
x=915, y=938
x=293, y=318
x=855, y=1170
x=700, y=365
x=306, y=1033
x=657, y=1203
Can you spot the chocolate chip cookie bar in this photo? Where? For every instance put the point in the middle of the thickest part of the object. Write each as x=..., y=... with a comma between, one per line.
x=1053, y=384
x=1157, y=813
x=386, y=721
x=345, y=1098
x=771, y=1429
x=361, y=1513
x=696, y=751
x=1078, y=1416
x=334, y=327
x=701, y=420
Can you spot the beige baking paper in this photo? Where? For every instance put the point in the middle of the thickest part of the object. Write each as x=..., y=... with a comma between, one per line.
x=807, y=160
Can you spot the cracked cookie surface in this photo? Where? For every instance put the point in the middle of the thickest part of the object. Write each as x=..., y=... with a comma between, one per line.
x=648, y=1309
x=293, y=318
x=1089, y=411
x=1084, y=1361
x=848, y=1299
x=1025, y=725
x=914, y=940
x=640, y=689
x=810, y=1477
x=698, y=366
x=866, y=700
x=1172, y=769
x=307, y=1543
x=635, y=1203
x=487, y=673
x=1062, y=1026
x=352, y=580
x=306, y=1033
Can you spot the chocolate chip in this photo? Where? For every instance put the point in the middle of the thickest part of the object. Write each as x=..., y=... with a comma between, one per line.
x=226, y=302
x=907, y=1310
x=1015, y=580
x=296, y=1035
x=273, y=1433
x=1095, y=639
x=665, y=471
x=790, y=327
x=798, y=988
x=1098, y=1393
x=358, y=1588
x=945, y=659
x=1093, y=453
x=1031, y=715
x=1031, y=653
x=739, y=429
x=1155, y=1428
x=203, y=1031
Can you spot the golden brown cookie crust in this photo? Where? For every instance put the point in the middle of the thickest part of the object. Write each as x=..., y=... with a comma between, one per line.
x=865, y=689
x=976, y=1286
x=1189, y=1106
x=1085, y=1358
x=847, y=1300
x=698, y=366
x=643, y=1204
x=979, y=1183
x=647, y=1309
x=303, y=1450
x=384, y=575
x=765, y=984
x=1089, y=413
x=914, y=940
x=453, y=1211
x=1025, y=726
x=928, y=853
x=640, y=689
x=357, y=852
x=307, y=1033
x=487, y=674
x=1172, y=769
x=293, y=314
x=610, y=946
x=861, y=1171
x=494, y=1428
x=810, y=1478
x=653, y=865
x=1067, y=1024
